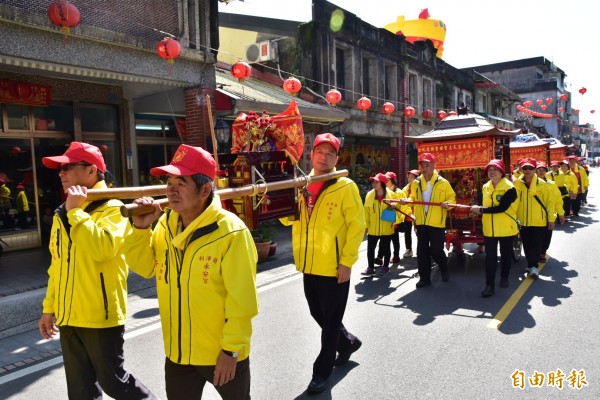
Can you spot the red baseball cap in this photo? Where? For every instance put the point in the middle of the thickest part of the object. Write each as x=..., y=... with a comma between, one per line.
x=554, y=163
x=327, y=138
x=2, y=181
x=531, y=162
x=426, y=157
x=77, y=152
x=20, y=186
x=541, y=164
x=572, y=158
x=390, y=175
x=415, y=172
x=379, y=178
x=497, y=164
x=187, y=161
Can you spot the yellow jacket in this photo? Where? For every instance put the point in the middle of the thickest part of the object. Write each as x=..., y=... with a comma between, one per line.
x=4, y=196
x=441, y=191
x=583, y=180
x=22, y=204
x=373, y=211
x=558, y=203
x=498, y=224
x=529, y=211
x=334, y=231
x=566, y=183
x=205, y=280
x=87, y=285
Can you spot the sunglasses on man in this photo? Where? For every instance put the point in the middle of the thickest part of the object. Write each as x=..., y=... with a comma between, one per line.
x=68, y=167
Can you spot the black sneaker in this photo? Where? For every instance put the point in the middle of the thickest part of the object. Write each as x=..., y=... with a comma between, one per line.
x=422, y=284
x=344, y=357
x=488, y=291
x=316, y=385
x=503, y=282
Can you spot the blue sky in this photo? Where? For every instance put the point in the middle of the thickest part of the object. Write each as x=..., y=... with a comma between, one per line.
x=484, y=32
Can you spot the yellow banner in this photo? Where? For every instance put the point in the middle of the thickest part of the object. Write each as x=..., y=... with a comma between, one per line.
x=466, y=153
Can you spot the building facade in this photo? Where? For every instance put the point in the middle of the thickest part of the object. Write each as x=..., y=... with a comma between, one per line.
x=103, y=83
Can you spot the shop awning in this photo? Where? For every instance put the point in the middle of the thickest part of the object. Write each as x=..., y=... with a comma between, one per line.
x=254, y=95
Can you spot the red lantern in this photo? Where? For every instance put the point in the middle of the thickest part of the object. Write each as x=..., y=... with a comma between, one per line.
x=363, y=103
x=582, y=90
x=593, y=111
x=23, y=90
x=441, y=114
x=528, y=103
x=333, y=97
x=16, y=150
x=409, y=111
x=452, y=113
x=103, y=148
x=543, y=107
x=64, y=15
x=240, y=70
x=549, y=100
x=520, y=108
x=561, y=109
x=169, y=49
x=388, y=108
x=564, y=96
x=292, y=86
x=539, y=102
x=427, y=114
x=576, y=112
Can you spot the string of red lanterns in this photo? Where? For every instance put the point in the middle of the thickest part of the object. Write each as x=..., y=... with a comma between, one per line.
x=363, y=103
x=241, y=70
x=388, y=108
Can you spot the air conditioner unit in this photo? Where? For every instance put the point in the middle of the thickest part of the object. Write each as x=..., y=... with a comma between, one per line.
x=263, y=51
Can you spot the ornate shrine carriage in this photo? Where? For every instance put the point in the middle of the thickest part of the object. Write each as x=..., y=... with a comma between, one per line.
x=463, y=145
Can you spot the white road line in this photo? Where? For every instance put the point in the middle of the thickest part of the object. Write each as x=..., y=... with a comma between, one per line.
x=128, y=335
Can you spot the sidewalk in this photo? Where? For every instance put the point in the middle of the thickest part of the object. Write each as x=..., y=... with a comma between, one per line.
x=23, y=281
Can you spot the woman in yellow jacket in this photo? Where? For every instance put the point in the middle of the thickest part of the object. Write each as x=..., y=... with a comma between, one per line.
x=535, y=213
x=542, y=173
x=379, y=230
x=571, y=185
x=499, y=218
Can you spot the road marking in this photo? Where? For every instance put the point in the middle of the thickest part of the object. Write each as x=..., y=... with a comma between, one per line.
x=128, y=335
x=514, y=299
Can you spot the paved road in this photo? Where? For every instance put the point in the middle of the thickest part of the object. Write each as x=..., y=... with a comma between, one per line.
x=438, y=342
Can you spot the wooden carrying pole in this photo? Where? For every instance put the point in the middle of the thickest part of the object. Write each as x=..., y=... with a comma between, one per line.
x=126, y=192
x=249, y=190
x=425, y=203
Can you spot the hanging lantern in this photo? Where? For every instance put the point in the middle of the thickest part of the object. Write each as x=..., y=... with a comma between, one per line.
x=564, y=96
x=292, y=86
x=363, y=103
x=409, y=111
x=240, y=70
x=15, y=151
x=169, y=49
x=520, y=108
x=333, y=97
x=543, y=107
x=549, y=100
x=388, y=108
x=528, y=103
x=539, y=102
x=64, y=15
x=582, y=90
x=576, y=112
x=452, y=113
x=593, y=111
x=561, y=109
x=427, y=114
x=442, y=114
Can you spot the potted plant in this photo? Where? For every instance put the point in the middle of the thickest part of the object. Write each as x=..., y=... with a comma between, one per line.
x=263, y=238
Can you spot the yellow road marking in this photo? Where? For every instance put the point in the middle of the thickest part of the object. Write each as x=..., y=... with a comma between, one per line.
x=514, y=299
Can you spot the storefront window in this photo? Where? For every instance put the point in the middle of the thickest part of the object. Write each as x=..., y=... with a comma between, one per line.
x=56, y=117
x=157, y=142
x=99, y=118
x=17, y=117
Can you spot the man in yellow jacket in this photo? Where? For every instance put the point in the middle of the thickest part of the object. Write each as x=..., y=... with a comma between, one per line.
x=535, y=212
x=582, y=181
x=570, y=184
x=326, y=239
x=204, y=260
x=87, y=285
x=431, y=219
